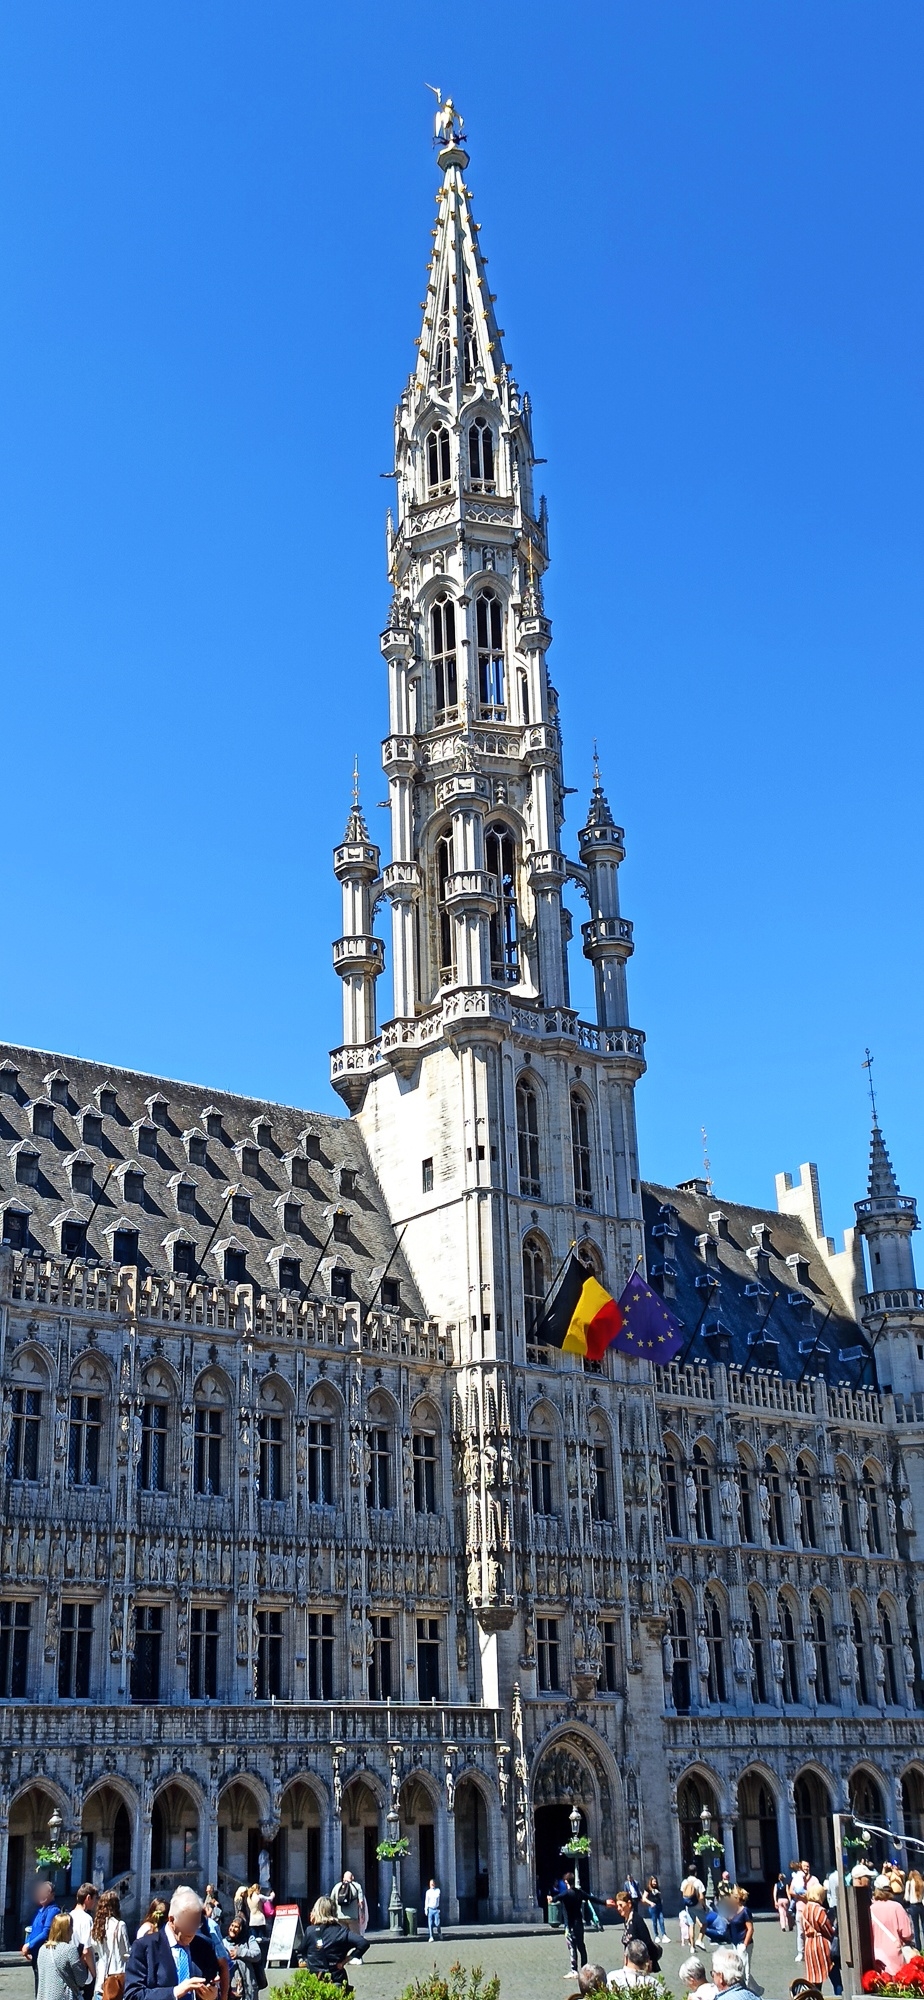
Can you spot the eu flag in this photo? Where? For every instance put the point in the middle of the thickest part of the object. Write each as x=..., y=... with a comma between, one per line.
x=648, y=1330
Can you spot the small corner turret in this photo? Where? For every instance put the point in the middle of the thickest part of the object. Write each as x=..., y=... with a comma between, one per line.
x=892, y=1311
x=358, y=956
x=607, y=936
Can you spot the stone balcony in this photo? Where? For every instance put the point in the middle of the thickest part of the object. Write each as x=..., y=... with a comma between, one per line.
x=904, y=1303
x=401, y=1041
x=135, y=1725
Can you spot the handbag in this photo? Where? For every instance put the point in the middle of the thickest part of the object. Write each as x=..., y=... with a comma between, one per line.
x=113, y=1986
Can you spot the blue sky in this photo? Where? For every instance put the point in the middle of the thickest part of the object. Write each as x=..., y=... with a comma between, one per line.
x=704, y=226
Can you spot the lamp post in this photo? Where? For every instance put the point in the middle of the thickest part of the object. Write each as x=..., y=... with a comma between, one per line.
x=705, y=1820
x=574, y=1821
x=395, y=1905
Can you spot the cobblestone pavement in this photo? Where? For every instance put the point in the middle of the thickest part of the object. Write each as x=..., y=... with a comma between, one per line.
x=530, y=1968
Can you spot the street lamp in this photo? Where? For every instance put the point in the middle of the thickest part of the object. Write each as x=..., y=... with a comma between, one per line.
x=54, y=1827
x=574, y=1821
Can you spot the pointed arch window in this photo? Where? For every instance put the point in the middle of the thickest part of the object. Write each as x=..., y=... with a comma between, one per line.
x=672, y=1493
x=890, y=1678
x=535, y=1286
x=702, y=1473
x=680, y=1636
x=845, y=1502
x=439, y=460
x=791, y=1689
x=746, y=1492
x=822, y=1640
x=805, y=1485
x=870, y=1490
x=777, y=1519
x=443, y=659
x=528, y=1137
x=580, y=1152
x=859, y=1647
x=481, y=457
x=489, y=636
x=500, y=857
x=444, y=869
x=715, y=1641
x=758, y=1651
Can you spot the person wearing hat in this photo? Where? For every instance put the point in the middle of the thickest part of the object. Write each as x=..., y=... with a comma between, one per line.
x=890, y=1928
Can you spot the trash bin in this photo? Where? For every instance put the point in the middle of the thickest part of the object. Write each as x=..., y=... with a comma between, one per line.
x=554, y=1912
x=410, y=1919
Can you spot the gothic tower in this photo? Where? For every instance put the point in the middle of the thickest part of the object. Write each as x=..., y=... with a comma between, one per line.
x=500, y=1126
x=892, y=1311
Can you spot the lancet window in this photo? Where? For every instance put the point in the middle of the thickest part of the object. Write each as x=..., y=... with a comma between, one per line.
x=535, y=1283
x=444, y=870
x=443, y=659
x=489, y=635
x=481, y=456
x=439, y=459
x=500, y=856
x=528, y=1137
x=580, y=1152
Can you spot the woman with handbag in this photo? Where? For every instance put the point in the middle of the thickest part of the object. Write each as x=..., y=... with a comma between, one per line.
x=110, y=1947
x=63, y=1965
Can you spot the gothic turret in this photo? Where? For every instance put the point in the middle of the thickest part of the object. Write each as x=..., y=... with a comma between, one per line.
x=886, y=1220
x=358, y=956
x=608, y=936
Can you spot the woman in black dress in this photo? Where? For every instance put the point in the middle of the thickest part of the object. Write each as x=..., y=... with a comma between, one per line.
x=328, y=1943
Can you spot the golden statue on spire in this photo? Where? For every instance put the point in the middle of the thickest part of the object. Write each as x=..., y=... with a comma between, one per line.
x=447, y=125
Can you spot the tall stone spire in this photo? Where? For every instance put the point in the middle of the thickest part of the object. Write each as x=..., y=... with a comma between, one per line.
x=886, y=1219
x=608, y=936
x=460, y=340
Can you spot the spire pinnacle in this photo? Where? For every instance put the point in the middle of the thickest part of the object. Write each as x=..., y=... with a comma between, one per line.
x=356, y=828
x=599, y=814
x=459, y=348
x=883, y=1185
x=868, y=1066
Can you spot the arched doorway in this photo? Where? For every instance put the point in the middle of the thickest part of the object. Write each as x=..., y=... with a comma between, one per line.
x=359, y=1837
x=176, y=1854
x=694, y=1795
x=866, y=1805
x=104, y=1853
x=418, y=1827
x=757, y=1840
x=473, y=1882
x=295, y=1864
x=29, y=1817
x=913, y=1805
x=239, y=1837
x=814, y=1832
x=562, y=1784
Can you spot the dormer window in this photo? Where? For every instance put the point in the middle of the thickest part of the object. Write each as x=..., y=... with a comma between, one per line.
x=108, y=1102
x=196, y=1148
x=262, y=1132
x=15, y=1228
x=158, y=1110
x=186, y=1197
x=9, y=1080
x=489, y=633
x=289, y=1274
x=27, y=1167
x=82, y=1176
x=57, y=1087
x=439, y=462
x=125, y=1246
x=312, y=1145
x=347, y=1178
x=292, y=1217
x=341, y=1286
x=299, y=1171
x=133, y=1186
x=211, y=1119
x=73, y=1239
x=341, y=1226
x=481, y=457
x=250, y=1160
x=240, y=1208
x=184, y=1258
x=147, y=1140
x=92, y=1128
x=443, y=659
x=43, y=1121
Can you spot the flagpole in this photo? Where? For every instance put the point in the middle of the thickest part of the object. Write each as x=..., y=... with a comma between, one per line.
x=537, y=1316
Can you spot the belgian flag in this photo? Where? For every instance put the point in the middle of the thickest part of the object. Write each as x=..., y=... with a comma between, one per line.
x=582, y=1319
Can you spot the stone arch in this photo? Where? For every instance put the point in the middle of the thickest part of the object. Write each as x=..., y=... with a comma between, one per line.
x=813, y=1804
x=912, y=1797
x=244, y=1806
x=420, y=1805
x=108, y=1837
x=91, y=1373
x=31, y=1807
x=213, y=1385
x=178, y=1834
x=362, y=1826
x=757, y=1832
x=478, y=1856
x=698, y=1786
x=299, y=1866
x=571, y=1768
x=325, y=1400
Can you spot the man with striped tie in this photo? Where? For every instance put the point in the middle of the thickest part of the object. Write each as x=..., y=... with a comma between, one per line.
x=174, y=1961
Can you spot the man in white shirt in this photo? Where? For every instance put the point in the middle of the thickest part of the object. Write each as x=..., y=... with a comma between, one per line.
x=798, y=1883
x=83, y=1913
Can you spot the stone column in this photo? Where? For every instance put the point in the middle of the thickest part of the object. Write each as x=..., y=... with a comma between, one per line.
x=729, y=1824
x=143, y=1861
x=4, y=1850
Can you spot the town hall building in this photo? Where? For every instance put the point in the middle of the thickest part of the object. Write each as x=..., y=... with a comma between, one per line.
x=306, y=1538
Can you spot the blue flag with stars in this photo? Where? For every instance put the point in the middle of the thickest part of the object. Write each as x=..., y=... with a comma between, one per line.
x=648, y=1330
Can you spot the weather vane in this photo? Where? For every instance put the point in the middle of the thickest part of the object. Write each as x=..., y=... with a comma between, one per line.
x=868, y=1066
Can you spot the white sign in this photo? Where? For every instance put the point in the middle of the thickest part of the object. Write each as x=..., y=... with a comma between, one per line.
x=286, y=1934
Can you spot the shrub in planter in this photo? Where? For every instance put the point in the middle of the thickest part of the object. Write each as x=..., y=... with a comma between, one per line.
x=459, y=1983
x=308, y=1986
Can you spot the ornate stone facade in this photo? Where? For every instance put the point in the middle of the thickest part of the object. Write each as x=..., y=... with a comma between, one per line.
x=302, y=1525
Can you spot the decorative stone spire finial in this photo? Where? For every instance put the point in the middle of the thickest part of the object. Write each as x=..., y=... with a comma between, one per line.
x=356, y=828
x=599, y=814
x=447, y=125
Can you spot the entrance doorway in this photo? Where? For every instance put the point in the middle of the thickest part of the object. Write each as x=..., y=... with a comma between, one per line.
x=553, y=1831
x=757, y=1841
x=473, y=1886
x=814, y=1832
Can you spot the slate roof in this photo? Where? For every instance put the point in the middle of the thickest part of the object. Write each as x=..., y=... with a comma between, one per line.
x=64, y=1095
x=808, y=1329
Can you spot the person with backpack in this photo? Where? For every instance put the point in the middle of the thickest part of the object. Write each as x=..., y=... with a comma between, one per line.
x=350, y=1903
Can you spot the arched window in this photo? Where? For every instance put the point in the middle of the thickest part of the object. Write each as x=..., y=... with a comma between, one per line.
x=580, y=1152
x=845, y=1495
x=791, y=1689
x=865, y=1798
x=443, y=658
x=672, y=1492
x=805, y=1487
x=528, y=1137
x=858, y=1629
x=812, y=1802
x=602, y=1507
x=500, y=856
x=890, y=1661
x=821, y=1638
x=681, y=1685
x=425, y=1441
x=210, y=1436
x=702, y=1474
x=489, y=637
x=481, y=456
x=715, y=1640
x=776, y=1519
x=746, y=1491
x=323, y=1428
x=273, y=1434
x=444, y=869
x=439, y=462
x=542, y=1464
x=380, y=1484
x=758, y=1649
x=535, y=1286
x=155, y=1435
x=870, y=1511
x=89, y=1399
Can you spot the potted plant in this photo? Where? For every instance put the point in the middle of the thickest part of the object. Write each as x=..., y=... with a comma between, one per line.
x=394, y=1849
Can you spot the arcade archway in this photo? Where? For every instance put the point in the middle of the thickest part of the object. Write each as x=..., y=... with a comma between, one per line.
x=570, y=1777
